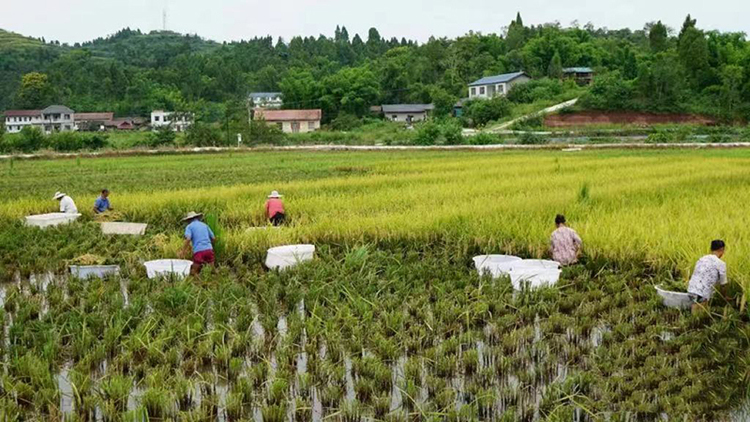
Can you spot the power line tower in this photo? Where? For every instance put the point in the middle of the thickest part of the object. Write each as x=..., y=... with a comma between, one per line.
x=164, y=18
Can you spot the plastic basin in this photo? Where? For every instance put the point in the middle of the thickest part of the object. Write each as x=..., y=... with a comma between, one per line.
x=536, y=264
x=94, y=271
x=167, y=267
x=132, y=229
x=677, y=300
x=283, y=257
x=51, y=219
x=534, y=277
x=496, y=265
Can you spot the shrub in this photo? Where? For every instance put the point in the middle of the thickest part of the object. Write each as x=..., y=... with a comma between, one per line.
x=203, y=135
x=609, y=92
x=535, y=90
x=263, y=133
x=162, y=136
x=531, y=139
x=29, y=140
x=482, y=112
x=346, y=122
x=484, y=138
x=428, y=133
x=452, y=132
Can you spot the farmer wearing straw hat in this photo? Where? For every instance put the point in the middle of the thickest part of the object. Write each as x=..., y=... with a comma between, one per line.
x=202, y=239
x=67, y=205
x=275, y=209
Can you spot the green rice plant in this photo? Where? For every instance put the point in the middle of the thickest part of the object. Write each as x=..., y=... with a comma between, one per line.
x=274, y=413
x=303, y=411
x=114, y=391
x=331, y=395
x=278, y=391
x=234, y=406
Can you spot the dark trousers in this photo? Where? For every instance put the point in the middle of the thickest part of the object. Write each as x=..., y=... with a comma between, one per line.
x=278, y=219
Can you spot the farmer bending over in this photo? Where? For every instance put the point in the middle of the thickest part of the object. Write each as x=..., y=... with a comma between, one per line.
x=565, y=243
x=67, y=205
x=709, y=271
x=275, y=209
x=202, y=239
x=102, y=203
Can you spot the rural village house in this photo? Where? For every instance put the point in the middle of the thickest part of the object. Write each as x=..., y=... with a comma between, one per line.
x=55, y=118
x=92, y=121
x=492, y=86
x=582, y=75
x=179, y=121
x=291, y=121
x=407, y=113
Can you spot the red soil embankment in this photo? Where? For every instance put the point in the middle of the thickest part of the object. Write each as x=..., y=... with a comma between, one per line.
x=585, y=118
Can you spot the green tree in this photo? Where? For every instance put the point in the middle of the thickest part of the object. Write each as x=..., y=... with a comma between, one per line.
x=203, y=135
x=35, y=91
x=693, y=52
x=731, y=91
x=555, y=69
x=657, y=37
x=516, y=35
x=162, y=136
x=482, y=112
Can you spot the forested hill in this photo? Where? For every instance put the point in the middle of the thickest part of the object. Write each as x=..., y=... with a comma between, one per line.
x=131, y=73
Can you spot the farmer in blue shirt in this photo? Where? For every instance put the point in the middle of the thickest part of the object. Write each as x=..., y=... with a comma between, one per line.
x=202, y=239
x=102, y=203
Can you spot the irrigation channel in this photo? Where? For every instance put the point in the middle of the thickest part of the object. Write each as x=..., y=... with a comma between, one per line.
x=454, y=346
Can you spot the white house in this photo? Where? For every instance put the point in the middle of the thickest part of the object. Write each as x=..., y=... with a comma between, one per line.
x=493, y=86
x=266, y=100
x=291, y=121
x=178, y=121
x=54, y=118
x=407, y=113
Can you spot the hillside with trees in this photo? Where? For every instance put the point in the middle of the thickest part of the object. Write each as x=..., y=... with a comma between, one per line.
x=652, y=69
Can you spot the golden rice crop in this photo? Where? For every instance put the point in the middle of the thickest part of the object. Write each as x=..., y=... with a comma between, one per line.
x=659, y=207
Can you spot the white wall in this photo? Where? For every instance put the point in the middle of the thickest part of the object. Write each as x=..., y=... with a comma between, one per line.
x=404, y=117
x=161, y=118
x=16, y=124
x=304, y=126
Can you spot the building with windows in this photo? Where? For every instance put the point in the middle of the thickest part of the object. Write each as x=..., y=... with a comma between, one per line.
x=92, y=121
x=266, y=100
x=493, y=86
x=54, y=118
x=177, y=120
x=407, y=113
x=582, y=75
x=291, y=121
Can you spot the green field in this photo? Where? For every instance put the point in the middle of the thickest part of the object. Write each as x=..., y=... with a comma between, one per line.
x=390, y=321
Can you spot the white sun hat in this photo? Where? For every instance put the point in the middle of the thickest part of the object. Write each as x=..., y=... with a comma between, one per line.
x=275, y=194
x=191, y=215
x=58, y=195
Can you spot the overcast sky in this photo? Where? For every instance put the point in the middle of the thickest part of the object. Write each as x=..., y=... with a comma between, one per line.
x=226, y=20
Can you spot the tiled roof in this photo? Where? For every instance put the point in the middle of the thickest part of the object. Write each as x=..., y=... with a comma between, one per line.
x=57, y=109
x=287, y=115
x=407, y=108
x=22, y=113
x=94, y=116
x=497, y=79
x=578, y=70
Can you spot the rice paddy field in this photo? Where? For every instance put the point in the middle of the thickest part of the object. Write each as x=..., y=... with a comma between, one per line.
x=390, y=321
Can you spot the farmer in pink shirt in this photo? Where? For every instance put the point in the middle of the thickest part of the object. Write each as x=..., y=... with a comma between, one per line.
x=565, y=243
x=275, y=209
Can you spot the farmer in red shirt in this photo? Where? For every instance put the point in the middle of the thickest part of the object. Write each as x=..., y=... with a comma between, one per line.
x=275, y=209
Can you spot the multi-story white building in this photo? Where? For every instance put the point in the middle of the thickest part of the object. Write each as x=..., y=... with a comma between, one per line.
x=179, y=121
x=54, y=118
x=266, y=100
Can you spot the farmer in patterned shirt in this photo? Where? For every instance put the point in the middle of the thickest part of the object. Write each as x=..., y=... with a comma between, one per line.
x=566, y=244
x=709, y=271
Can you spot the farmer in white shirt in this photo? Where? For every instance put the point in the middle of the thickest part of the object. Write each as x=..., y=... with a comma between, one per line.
x=709, y=271
x=67, y=205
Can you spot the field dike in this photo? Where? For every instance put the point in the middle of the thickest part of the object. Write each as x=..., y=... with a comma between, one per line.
x=393, y=330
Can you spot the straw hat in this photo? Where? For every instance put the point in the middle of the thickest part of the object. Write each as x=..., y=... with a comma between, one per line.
x=58, y=195
x=275, y=194
x=191, y=215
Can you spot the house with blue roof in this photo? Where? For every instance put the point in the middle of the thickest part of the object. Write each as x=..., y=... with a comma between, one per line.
x=492, y=86
x=582, y=75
